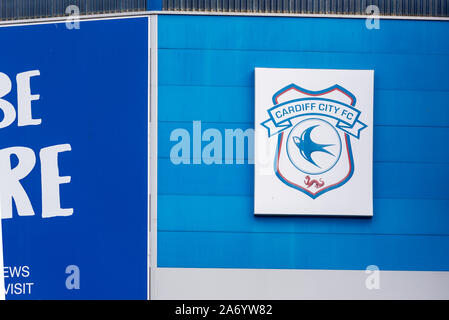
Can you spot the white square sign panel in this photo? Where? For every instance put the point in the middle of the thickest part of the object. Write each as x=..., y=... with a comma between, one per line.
x=314, y=142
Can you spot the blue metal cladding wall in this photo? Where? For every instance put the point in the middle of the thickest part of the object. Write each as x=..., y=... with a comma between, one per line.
x=93, y=88
x=205, y=212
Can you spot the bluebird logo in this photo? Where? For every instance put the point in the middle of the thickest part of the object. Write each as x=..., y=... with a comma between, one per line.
x=306, y=146
x=313, y=154
x=314, y=131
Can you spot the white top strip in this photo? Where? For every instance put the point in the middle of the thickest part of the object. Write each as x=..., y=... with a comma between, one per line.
x=207, y=13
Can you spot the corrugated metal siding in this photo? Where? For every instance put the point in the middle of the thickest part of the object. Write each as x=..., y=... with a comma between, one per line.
x=24, y=9
x=437, y=8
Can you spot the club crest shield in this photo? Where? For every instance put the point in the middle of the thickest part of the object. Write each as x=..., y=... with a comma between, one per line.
x=314, y=132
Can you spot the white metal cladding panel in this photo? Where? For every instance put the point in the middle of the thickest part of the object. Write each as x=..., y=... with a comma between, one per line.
x=438, y=8
x=24, y=9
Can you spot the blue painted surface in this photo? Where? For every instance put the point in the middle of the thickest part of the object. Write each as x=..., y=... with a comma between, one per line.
x=393, y=107
x=205, y=212
x=303, y=251
x=93, y=95
x=391, y=180
x=224, y=214
x=411, y=144
x=388, y=67
x=303, y=34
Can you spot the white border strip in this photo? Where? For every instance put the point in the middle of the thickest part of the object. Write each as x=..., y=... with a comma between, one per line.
x=275, y=284
x=149, y=161
x=153, y=155
x=207, y=13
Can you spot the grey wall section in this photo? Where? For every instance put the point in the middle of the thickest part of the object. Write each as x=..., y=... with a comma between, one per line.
x=437, y=8
x=28, y=9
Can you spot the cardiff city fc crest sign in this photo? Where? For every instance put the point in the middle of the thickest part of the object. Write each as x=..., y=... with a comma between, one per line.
x=313, y=141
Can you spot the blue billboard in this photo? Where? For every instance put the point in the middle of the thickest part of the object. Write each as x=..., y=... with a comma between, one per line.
x=74, y=159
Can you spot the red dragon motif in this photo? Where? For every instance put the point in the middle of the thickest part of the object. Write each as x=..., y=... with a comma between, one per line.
x=309, y=182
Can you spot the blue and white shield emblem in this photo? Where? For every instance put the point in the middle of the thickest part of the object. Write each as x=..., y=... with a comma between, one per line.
x=314, y=131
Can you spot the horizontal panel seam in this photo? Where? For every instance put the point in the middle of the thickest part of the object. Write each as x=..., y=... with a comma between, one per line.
x=252, y=124
x=161, y=83
x=246, y=158
x=307, y=233
x=251, y=197
x=252, y=86
x=305, y=51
